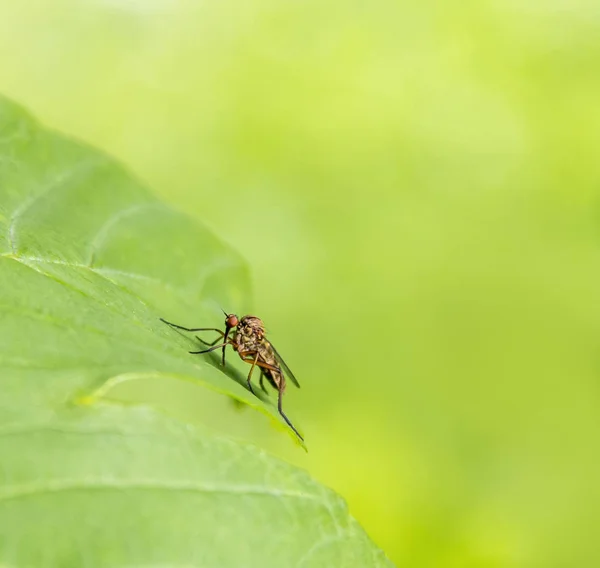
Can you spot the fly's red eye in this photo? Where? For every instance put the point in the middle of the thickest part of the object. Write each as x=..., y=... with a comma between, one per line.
x=232, y=320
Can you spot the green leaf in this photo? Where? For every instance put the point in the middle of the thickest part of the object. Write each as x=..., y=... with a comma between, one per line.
x=89, y=262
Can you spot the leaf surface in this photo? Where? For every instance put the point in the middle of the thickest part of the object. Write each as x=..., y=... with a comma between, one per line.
x=89, y=262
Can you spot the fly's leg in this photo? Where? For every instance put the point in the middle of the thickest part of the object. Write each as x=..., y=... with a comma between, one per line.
x=191, y=328
x=262, y=384
x=210, y=349
x=251, y=357
x=212, y=342
x=245, y=354
x=226, y=339
x=283, y=415
x=221, y=336
x=254, y=361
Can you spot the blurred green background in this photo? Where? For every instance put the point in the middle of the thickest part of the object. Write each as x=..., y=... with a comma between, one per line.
x=416, y=189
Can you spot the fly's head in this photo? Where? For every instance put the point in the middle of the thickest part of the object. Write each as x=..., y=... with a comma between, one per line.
x=231, y=321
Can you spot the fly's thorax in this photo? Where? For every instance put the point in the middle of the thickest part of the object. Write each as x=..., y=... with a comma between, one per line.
x=245, y=342
x=251, y=325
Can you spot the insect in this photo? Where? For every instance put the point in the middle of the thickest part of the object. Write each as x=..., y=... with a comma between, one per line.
x=247, y=337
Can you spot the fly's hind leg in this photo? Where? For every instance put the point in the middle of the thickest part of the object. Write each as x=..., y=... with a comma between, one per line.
x=280, y=394
x=252, y=358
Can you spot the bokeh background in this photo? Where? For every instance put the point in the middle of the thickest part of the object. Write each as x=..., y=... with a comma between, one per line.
x=416, y=188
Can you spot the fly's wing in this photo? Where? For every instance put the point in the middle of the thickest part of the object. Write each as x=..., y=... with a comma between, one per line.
x=287, y=370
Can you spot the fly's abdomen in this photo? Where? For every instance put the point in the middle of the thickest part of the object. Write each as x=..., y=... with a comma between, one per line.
x=276, y=379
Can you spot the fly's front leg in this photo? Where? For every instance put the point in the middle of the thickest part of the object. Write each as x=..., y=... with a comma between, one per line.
x=211, y=348
x=192, y=328
x=218, y=338
x=221, y=335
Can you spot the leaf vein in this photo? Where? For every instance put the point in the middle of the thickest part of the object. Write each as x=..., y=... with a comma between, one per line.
x=100, y=236
x=18, y=213
x=330, y=539
x=66, y=485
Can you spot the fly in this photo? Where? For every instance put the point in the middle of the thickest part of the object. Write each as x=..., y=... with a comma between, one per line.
x=247, y=337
